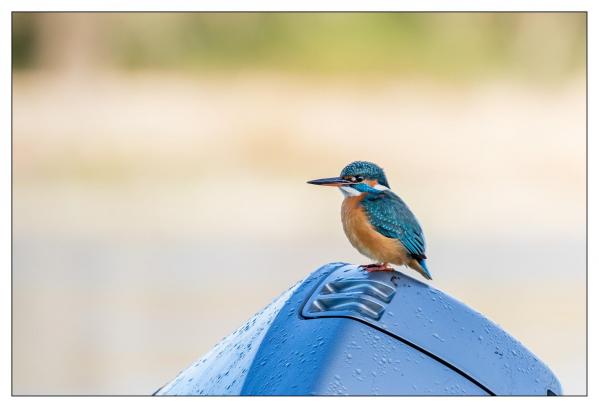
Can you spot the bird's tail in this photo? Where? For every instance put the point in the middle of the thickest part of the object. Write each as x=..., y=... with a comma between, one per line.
x=420, y=266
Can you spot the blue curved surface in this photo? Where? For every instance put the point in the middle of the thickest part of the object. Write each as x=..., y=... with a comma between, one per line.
x=223, y=370
x=343, y=331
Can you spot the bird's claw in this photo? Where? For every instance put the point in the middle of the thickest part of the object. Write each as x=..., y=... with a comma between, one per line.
x=377, y=268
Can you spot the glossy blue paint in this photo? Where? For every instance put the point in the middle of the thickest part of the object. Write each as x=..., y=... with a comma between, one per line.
x=223, y=370
x=345, y=331
x=438, y=325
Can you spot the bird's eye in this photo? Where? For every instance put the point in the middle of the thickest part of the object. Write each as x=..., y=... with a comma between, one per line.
x=359, y=178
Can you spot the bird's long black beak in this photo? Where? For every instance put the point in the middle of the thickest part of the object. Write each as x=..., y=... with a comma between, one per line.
x=331, y=181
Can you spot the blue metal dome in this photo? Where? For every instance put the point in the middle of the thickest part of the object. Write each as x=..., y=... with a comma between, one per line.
x=342, y=331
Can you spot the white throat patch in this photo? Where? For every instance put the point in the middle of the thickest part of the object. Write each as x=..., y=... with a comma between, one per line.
x=348, y=191
x=352, y=192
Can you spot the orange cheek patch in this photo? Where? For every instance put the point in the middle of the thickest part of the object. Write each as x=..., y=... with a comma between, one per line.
x=372, y=183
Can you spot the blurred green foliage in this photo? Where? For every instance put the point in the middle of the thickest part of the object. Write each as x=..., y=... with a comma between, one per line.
x=24, y=39
x=447, y=45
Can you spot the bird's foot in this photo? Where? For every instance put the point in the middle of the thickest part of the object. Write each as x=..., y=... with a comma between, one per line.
x=377, y=268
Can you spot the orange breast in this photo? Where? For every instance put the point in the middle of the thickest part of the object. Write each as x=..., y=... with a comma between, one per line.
x=365, y=238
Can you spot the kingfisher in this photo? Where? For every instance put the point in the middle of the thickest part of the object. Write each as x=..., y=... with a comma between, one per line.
x=376, y=221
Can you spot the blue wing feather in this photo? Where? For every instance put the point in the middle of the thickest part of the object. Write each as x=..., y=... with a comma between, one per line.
x=391, y=217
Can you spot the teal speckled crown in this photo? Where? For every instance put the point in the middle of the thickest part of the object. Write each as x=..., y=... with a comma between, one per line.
x=367, y=170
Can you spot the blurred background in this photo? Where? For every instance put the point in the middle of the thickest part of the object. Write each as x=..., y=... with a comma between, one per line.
x=160, y=160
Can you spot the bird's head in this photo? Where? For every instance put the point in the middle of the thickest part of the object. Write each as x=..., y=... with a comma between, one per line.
x=357, y=178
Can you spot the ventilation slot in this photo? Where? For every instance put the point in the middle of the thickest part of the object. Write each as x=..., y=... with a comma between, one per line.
x=344, y=297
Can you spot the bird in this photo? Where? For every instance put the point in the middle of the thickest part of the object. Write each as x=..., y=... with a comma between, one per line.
x=377, y=222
